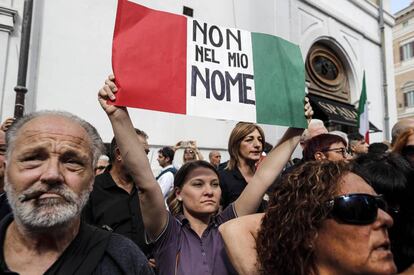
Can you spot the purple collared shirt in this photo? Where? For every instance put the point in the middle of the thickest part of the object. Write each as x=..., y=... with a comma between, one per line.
x=179, y=250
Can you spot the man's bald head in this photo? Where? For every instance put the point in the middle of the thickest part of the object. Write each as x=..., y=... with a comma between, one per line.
x=215, y=158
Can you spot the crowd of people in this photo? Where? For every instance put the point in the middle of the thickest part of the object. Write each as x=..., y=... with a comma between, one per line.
x=70, y=207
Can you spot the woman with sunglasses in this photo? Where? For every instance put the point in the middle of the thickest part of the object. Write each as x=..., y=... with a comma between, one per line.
x=191, y=154
x=404, y=145
x=323, y=218
x=191, y=151
x=189, y=243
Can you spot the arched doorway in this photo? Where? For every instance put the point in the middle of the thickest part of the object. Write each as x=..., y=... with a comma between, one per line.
x=328, y=83
x=325, y=73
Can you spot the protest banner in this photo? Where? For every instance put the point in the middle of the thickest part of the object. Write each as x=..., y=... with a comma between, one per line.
x=171, y=63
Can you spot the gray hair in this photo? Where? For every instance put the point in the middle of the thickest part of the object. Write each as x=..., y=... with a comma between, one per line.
x=104, y=157
x=95, y=139
x=342, y=135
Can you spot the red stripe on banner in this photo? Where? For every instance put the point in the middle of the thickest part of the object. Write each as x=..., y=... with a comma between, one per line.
x=149, y=54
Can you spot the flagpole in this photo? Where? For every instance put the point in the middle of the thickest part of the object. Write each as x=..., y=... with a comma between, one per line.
x=21, y=89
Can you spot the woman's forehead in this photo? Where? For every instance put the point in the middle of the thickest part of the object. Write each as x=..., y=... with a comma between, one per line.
x=352, y=183
x=337, y=145
x=201, y=172
x=255, y=132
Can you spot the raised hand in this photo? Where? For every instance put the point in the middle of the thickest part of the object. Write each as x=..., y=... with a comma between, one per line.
x=108, y=92
x=308, y=110
x=7, y=123
x=192, y=144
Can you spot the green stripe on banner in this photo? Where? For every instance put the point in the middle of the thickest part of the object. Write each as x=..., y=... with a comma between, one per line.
x=279, y=75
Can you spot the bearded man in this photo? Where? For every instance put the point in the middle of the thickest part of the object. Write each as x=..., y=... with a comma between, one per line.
x=50, y=161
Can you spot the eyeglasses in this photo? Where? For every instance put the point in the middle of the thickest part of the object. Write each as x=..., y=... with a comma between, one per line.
x=359, y=209
x=408, y=151
x=343, y=151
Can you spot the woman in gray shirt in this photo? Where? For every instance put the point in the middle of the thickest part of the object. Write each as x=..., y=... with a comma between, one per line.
x=189, y=242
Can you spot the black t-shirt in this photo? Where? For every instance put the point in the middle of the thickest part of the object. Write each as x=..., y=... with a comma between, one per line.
x=232, y=184
x=93, y=251
x=4, y=206
x=111, y=207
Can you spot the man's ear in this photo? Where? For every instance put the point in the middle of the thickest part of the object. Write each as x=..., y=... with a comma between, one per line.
x=319, y=156
x=118, y=154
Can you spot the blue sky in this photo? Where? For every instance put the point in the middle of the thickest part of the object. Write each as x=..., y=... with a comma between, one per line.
x=397, y=5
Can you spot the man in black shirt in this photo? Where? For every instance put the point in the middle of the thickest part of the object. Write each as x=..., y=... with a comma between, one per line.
x=114, y=203
x=51, y=158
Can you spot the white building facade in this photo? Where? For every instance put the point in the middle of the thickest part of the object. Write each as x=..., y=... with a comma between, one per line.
x=70, y=57
x=403, y=34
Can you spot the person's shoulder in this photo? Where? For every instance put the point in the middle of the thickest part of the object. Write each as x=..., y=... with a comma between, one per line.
x=227, y=214
x=222, y=166
x=102, y=182
x=126, y=255
x=120, y=245
x=230, y=175
x=225, y=172
x=170, y=169
x=105, y=176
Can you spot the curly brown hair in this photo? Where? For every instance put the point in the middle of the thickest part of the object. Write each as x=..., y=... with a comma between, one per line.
x=297, y=208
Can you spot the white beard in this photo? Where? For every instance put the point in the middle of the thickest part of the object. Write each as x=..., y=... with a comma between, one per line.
x=40, y=215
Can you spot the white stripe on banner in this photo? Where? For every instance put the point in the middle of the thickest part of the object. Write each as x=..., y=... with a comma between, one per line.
x=220, y=76
x=364, y=122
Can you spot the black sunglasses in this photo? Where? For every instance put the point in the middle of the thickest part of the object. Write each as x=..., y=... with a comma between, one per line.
x=359, y=209
x=408, y=151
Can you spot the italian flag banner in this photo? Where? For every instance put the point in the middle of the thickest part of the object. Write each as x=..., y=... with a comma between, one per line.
x=171, y=63
x=363, y=122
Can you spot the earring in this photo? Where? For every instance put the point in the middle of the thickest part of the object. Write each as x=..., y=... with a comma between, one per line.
x=179, y=199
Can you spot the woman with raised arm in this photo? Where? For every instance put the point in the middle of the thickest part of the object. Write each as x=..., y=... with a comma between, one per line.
x=189, y=242
x=191, y=151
